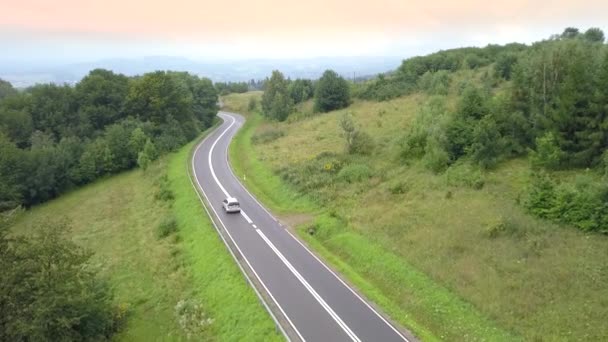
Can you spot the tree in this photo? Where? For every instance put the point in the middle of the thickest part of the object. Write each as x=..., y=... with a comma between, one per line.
x=147, y=155
x=252, y=104
x=158, y=96
x=52, y=108
x=504, y=65
x=486, y=148
x=301, y=90
x=331, y=92
x=16, y=124
x=276, y=103
x=594, y=35
x=6, y=89
x=101, y=96
x=547, y=154
x=13, y=170
x=49, y=291
x=570, y=33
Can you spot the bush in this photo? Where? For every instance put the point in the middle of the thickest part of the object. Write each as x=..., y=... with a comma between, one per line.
x=382, y=89
x=465, y=174
x=252, y=105
x=605, y=165
x=312, y=175
x=435, y=83
x=357, y=142
x=164, y=192
x=583, y=204
x=548, y=155
x=267, y=136
x=191, y=318
x=398, y=188
x=167, y=227
x=50, y=289
x=362, y=143
x=354, y=173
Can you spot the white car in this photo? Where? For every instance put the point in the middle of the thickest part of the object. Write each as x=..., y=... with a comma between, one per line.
x=231, y=205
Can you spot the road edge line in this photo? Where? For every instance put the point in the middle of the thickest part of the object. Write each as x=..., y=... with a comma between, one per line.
x=198, y=190
x=387, y=320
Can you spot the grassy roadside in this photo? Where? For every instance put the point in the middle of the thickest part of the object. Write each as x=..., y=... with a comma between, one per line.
x=407, y=295
x=259, y=179
x=118, y=217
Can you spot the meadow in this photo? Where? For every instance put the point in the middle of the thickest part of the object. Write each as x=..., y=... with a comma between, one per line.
x=447, y=255
x=123, y=220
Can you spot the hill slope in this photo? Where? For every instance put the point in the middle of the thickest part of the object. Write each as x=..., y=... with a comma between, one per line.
x=452, y=253
x=117, y=219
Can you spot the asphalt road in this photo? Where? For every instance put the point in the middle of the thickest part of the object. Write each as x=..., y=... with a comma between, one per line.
x=308, y=299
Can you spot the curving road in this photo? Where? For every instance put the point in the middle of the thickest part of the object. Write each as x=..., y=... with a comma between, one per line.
x=307, y=299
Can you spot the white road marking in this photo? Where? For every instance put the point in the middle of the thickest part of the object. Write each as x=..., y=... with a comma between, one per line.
x=348, y=287
x=254, y=226
x=246, y=217
x=329, y=310
x=239, y=249
x=319, y=260
x=310, y=289
x=211, y=153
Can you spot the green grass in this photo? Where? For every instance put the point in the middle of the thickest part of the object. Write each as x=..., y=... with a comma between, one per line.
x=118, y=219
x=475, y=256
x=258, y=178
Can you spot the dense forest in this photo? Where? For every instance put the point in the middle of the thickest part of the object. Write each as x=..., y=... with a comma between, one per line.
x=56, y=137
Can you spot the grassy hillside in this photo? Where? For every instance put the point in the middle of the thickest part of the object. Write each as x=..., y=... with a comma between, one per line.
x=448, y=255
x=118, y=219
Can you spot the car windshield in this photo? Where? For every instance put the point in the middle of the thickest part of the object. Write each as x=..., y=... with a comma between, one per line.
x=232, y=204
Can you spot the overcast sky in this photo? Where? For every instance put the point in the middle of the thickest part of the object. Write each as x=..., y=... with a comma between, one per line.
x=85, y=30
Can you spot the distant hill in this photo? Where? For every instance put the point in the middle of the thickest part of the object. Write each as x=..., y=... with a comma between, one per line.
x=218, y=70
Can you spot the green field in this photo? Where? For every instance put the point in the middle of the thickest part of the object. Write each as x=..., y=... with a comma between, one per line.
x=117, y=218
x=446, y=255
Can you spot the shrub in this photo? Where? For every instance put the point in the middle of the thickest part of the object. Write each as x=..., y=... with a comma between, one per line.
x=314, y=174
x=436, y=158
x=398, y=188
x=267, y=136
x=164, y=192
x=548, y=155
x=167, y=227
x=362, y=143
x=354, y=173
x=435, y=83
x=191, y=318
x=583, y=204
x=252, y=105
x=382, y=89
x=605, y=164
x=357, y=142
x=465, y=174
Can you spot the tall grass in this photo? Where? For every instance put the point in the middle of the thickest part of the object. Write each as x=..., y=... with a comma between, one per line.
x=461, y=231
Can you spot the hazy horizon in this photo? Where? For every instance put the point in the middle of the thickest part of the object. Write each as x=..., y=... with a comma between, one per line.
x=71, y=31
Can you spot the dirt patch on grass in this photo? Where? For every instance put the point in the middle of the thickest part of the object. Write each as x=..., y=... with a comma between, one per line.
x=295, y=220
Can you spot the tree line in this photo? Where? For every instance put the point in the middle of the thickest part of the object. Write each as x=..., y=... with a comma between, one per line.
x=330, y=92
x=56, y=137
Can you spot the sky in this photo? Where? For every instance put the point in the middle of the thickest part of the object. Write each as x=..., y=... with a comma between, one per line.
x=87, y=30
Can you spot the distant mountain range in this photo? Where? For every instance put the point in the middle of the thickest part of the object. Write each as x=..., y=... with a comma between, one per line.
x=218, y=70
